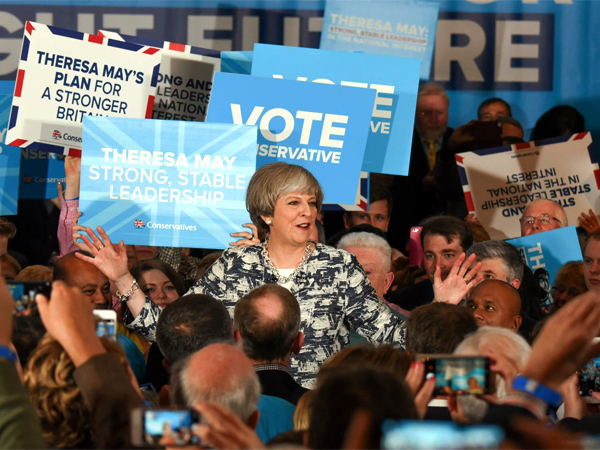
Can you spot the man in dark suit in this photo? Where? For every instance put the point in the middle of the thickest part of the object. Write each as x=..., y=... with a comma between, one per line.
x=267, y=323
x=417, y=196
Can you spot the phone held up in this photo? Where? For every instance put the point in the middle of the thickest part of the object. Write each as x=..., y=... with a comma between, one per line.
x=164, y=427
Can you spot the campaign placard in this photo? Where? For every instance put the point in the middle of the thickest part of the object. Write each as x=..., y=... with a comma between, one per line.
x=499, y=183
x=546, y=252
x=237, y=62
x=395, y=81
x=10, y=160
x=322, y=128
x=184, y=80
x=166, y=183
x=65, y=75
x=381, y=27
x=40, y=173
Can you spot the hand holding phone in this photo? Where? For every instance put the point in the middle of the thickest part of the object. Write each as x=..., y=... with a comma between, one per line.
x=24, y=292
x=459, y=375
x=165, y=427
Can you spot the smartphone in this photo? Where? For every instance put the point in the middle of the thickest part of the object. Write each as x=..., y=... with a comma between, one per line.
x=414, y=247
x=487, y=134
x=23, y=293
x=412, y=434
x=106, y=323
x=589, y=378
x=459, y=375
x=165, y=427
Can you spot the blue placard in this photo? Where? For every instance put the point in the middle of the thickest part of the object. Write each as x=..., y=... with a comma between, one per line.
x=320, y=127
x=236, y=62
x=166, y=183
x=401, y=28
x=396, y=81
x=546, y=252
x=10, y=160
x=40, y=172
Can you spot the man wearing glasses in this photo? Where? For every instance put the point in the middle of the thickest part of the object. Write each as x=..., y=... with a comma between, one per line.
x=542, y=215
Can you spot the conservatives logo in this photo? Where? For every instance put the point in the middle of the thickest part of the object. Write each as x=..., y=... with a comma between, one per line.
x=27, y=179
x=56, y=135
x=138, y=223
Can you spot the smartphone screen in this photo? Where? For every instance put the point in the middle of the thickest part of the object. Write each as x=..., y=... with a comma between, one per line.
x=106, y=323
x=589, y=379
x=408, y=434
x=459, y=375
x=23, y=293
x=164, y=427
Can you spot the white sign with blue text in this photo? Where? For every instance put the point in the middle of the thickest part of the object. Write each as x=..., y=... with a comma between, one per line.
x=10, y=160
x=546, y=252
x=322, y=128
x=65, y=75
x=166, y=183
x=395, y=81
x=399, y=28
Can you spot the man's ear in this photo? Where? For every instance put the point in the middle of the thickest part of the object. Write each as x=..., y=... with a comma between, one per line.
x=517, y=323
x=298, y=343
x=347, y=224
x=515, y=283
x=452, y=403
x=252, y=421
x=237, y=337
x=166, y=365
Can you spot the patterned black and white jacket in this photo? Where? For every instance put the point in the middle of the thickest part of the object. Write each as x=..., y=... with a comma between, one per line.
x=333, y=292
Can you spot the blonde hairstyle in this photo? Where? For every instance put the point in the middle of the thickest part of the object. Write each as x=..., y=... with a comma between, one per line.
x=57, y=399
x=273, y=181
x=35, y=273
x=303, y=411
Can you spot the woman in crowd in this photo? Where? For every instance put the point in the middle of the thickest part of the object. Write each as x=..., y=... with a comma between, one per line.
x=57, y=399
x=333, y=291
x=569, y=283
x=158, y=281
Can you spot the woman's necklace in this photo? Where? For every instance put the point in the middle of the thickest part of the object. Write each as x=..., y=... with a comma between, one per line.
x=280, y=278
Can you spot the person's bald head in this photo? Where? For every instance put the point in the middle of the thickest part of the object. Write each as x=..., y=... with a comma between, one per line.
x=85, y=276
x=495, y=303
x=267, y=322
x=542, y=215
x=222, y=374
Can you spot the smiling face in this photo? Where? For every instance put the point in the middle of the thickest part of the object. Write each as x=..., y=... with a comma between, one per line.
x=542, y=215
x=293, y=219
x=158, y=287
x=377, y=215
x=591, y=265
x=438, y=252
x=92, y=283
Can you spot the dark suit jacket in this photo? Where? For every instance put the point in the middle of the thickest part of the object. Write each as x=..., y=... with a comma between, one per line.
x=413, y=296
x=279, y=383
x=412, y=203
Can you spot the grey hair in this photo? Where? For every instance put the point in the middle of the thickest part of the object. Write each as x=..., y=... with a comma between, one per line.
x=241, y=399
x=431, y=88
x=364, y=239
x=510, y=256
x=562, y=215
x=510, y=343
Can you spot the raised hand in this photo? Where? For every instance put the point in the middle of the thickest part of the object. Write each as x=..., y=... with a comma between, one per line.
x=461, y=279
x=247, y=237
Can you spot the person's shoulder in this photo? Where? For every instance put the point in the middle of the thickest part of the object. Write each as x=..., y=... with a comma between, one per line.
x=323, y=251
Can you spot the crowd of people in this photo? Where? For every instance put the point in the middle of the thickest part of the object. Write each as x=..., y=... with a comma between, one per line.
x=290, y=338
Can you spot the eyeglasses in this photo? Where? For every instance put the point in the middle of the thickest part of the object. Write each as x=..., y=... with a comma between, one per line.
x=572, y=292
x=544, y=219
